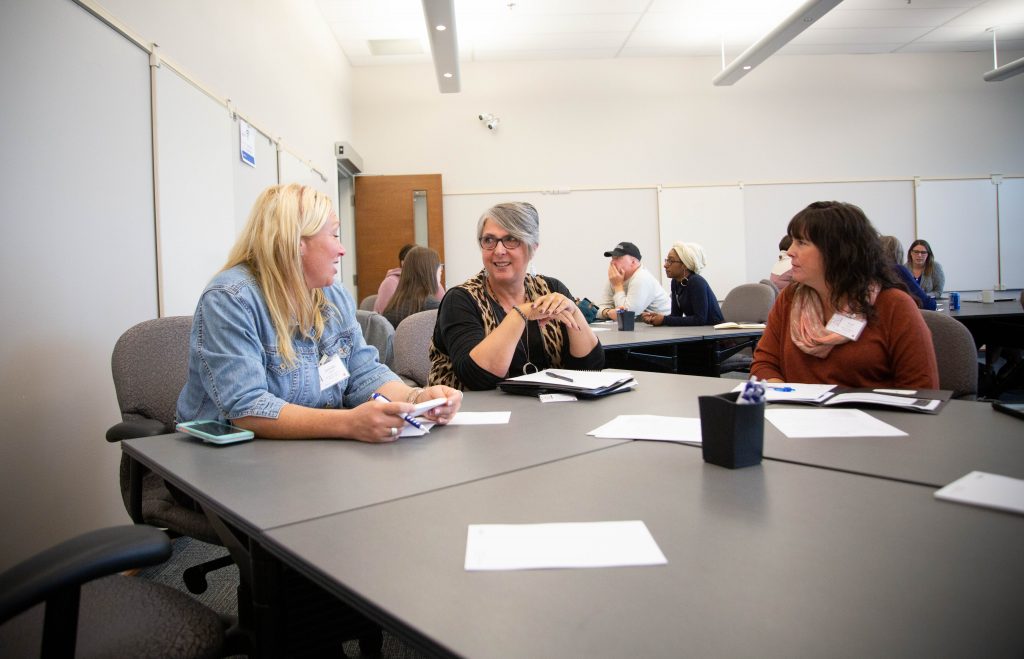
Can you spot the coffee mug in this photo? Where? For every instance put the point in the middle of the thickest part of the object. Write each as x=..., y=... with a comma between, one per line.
x=988, y=297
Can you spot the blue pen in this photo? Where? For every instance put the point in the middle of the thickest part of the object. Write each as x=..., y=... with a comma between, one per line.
x=409, y=419
x=782, y=388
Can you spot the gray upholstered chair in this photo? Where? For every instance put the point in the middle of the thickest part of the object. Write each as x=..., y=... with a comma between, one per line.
x=378, y=332
x=368, y=302
x=747, y=303
x=956, y=354
x=412, y=346
x=770, y=284
x=69, y=601
x=150, y=366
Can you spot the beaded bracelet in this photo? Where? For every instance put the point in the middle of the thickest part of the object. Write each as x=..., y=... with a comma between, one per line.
x=414, y=394
x=521, y=314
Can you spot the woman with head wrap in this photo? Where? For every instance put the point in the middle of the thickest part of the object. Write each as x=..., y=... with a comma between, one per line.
x=693, y=301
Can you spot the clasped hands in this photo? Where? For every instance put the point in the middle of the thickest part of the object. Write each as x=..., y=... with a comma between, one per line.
x=554, y=307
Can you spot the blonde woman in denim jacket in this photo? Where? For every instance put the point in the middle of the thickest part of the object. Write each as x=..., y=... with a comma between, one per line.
x=275, y=346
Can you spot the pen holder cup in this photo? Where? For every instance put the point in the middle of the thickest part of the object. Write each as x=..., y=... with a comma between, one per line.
x=626, y=320
x=732, y=435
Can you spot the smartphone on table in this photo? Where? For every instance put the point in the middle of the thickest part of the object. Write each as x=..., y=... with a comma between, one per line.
x=215, y=432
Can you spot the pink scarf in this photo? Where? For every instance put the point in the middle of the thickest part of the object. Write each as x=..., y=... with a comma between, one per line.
x=807, y=322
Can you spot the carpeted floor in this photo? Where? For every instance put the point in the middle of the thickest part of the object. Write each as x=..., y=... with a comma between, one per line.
x=221, y=594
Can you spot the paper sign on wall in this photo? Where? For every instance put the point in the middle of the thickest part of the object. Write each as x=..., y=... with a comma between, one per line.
x=247, y=143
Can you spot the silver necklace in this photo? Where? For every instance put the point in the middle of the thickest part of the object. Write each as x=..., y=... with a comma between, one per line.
x=529, y=364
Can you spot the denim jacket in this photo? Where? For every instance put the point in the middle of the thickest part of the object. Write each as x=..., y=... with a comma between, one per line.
x=235, y=370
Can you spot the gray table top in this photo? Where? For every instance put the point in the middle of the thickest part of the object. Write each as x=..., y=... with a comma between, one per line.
x=647, y=335
x=265, y=483
x=1002, y=309
x=777, y=560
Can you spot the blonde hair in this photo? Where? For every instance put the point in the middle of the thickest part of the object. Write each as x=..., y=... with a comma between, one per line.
x=269, y=246
x=692, y=256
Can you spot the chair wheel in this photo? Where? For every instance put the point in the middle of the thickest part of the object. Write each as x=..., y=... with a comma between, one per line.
x=371, y=642
x=195, y=580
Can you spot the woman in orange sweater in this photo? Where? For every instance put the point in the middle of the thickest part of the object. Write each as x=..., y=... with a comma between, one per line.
x=844, y=320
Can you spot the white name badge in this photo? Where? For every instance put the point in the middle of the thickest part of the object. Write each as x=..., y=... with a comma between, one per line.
x=332, y=371
x=847, y=326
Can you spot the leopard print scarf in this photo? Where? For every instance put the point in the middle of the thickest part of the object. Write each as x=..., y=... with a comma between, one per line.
x=442, y=370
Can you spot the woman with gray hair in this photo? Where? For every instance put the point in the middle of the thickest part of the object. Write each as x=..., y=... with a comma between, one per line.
x=504, y=321
x=693, y=301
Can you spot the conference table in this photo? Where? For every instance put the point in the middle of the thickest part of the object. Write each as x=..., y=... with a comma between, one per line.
x=690, y=350
x=830, y=546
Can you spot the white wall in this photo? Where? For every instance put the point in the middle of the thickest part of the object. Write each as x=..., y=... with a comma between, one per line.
x=76, y=204
x=645, y=122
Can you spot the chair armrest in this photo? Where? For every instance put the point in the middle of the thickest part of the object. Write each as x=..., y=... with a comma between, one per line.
x=77, y=561
x=133, y=429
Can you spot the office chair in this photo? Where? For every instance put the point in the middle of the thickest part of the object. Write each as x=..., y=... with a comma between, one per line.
x=368, y=302
x=412, y=346
x=956, y=354
x=150, y=366
x=747, y=303
x=91, y=611
x=770, y=284
x=378, y=332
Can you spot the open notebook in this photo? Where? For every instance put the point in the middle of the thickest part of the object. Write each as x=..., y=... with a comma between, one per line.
x=928, y=401
x=583, y=384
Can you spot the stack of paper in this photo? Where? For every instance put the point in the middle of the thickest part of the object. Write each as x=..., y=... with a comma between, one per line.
x=584, y=384
x=649, y=426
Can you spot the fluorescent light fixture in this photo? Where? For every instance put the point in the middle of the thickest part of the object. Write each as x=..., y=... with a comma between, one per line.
x=444, y=44
x=786, y=31
x=1005, y=71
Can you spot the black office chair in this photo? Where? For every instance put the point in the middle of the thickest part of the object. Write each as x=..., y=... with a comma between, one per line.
x=150, y=366
x=91, y=611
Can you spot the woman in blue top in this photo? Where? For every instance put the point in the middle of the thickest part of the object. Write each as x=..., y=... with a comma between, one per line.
x=693, y=301
x=275, y=346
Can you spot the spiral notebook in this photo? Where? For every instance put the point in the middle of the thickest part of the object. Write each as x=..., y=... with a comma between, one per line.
x=583, y=384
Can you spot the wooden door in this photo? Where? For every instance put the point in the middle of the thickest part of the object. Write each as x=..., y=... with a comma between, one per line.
x=384, y=222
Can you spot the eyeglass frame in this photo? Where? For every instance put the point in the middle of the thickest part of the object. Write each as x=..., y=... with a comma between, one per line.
x=920, y=252
x=672, y=261
x=481, y=239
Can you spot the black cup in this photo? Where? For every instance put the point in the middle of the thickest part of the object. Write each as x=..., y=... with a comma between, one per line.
x=732, y=435
x=626, y=320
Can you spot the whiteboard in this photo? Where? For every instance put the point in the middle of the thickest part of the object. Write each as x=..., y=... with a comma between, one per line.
x=197, y=214
x=958, y=219
x=1011, y=233
x=251, y=181
x=576, y=229
x=712, y=217
x=769, y=208
x=294, y=170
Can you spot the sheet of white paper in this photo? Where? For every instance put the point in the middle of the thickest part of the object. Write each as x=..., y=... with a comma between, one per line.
x=410, y=430
x=479, y=418
x=649, y=426
x=979, y=488
x=556, y=398
x=830, y=423
x=883, y=399
x=566, y=545
x=780, y=392
x=600, y=329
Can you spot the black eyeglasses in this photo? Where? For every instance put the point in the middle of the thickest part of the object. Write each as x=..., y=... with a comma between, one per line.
x=919, y=252
x=670, y=261
x=490, y=242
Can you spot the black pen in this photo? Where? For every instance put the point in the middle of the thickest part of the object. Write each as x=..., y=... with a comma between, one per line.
x=559, y=377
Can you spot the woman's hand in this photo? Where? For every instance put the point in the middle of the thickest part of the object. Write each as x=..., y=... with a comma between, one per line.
x=444, y=413
x=555, y=307
x=377, y=421
x=652, y=318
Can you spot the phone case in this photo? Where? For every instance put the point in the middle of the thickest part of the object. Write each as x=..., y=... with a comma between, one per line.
x=233, y=438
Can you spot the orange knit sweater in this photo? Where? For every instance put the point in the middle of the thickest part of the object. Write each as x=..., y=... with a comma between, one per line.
x=894, y=350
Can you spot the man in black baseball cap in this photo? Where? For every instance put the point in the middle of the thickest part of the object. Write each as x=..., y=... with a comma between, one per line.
x=631, y=287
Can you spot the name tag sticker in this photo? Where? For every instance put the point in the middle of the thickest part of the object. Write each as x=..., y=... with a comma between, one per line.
x=332, y=371
x=847, y=326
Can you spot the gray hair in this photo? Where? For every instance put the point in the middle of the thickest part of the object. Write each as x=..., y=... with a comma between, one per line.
x=892, y=249
x=519, y=218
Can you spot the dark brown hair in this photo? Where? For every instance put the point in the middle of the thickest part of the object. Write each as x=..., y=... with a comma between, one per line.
x=417, y=283
x=850, y=251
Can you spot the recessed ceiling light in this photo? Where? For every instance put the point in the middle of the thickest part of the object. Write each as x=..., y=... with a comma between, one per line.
x=441, y=28
x=447, y=75
x=747, y=67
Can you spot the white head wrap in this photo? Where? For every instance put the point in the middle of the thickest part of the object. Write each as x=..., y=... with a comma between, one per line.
x=692, y=256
